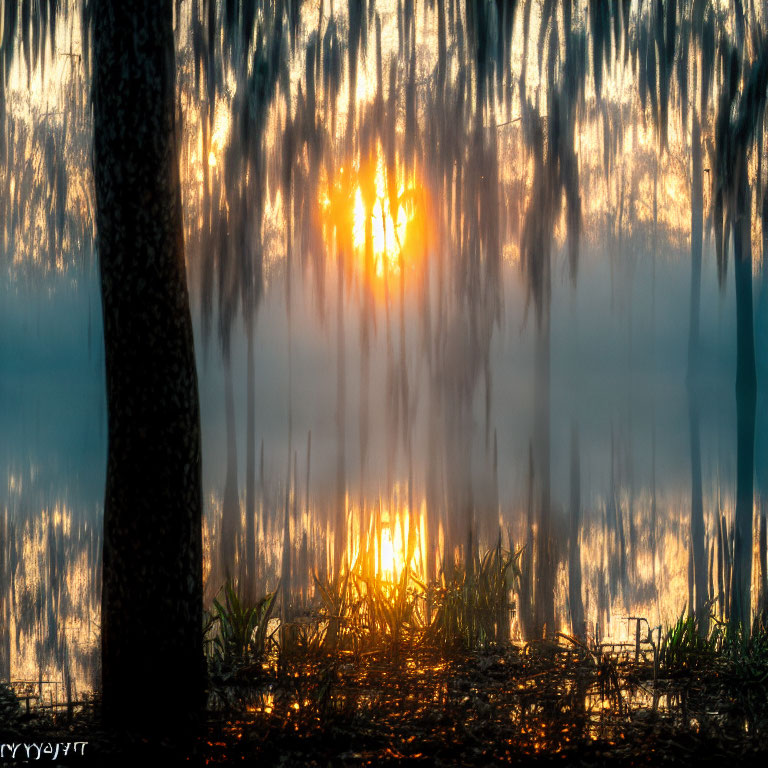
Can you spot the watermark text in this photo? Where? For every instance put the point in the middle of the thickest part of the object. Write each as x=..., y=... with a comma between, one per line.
x=41, y=750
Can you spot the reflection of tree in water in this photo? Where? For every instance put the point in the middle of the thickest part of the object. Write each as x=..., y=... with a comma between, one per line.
x=50, y=598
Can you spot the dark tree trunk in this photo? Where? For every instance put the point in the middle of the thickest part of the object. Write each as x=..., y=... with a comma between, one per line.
x=152, y=564
x=230, y=512
x=578, y=626
x=698, y=548
x=340, y=519
x=746, y=385
x=544, y=596
x=249, y=582
x=527, y=573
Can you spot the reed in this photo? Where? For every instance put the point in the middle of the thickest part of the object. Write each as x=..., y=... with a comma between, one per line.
x=236, y=631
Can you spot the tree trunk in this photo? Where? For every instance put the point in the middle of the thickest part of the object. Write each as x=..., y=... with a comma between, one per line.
x=574, y=551
x=544, y=598
x=152, y=564
x=230, y=512
x=249, y=582
x=698, y=549
x=340, y=518
x=746, y=385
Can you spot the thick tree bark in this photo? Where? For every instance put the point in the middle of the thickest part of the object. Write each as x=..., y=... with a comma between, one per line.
x=152, y=564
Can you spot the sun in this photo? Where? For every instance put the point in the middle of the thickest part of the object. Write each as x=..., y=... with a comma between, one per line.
x=388, y=229
x=379, y=213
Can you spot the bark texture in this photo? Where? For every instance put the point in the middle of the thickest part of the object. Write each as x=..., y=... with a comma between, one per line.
x=152, y=564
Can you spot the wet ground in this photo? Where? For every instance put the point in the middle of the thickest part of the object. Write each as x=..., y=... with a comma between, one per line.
x=545, y=703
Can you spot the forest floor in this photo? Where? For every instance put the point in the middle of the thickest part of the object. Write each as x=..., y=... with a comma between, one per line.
x=545, y=703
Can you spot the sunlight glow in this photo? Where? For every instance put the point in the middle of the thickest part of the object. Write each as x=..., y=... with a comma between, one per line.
x=397, y=547
x=377, y=217
x=389, y=547
x=387, y=229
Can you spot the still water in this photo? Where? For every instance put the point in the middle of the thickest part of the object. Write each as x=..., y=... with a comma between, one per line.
x=621, y=379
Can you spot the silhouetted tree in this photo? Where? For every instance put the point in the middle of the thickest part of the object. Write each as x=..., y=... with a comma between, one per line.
x=740, y=109
x=152, y=563
x=698, y=110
